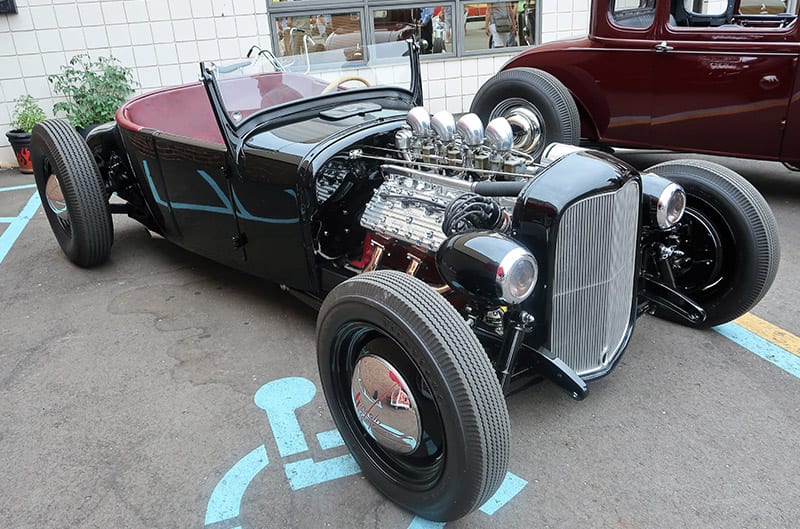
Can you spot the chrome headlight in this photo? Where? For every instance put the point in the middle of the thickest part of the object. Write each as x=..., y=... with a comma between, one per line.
x=488, y=266
x=671, y=205
x=665, y=199
x=517, y=275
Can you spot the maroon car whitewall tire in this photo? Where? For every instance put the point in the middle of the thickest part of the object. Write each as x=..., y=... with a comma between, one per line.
x=531, y=98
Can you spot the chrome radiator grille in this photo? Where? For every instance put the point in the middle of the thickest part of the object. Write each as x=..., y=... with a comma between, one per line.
x=593, y=278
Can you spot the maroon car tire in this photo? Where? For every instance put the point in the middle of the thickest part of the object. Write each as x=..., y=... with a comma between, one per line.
x=730, y=237
x=72, y=192
x=538, y=106
x=456, y=456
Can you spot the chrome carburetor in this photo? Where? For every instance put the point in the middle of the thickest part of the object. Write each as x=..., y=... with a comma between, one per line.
x=439, y=159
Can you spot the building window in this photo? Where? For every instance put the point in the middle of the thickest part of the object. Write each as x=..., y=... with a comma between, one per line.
x=456, y=28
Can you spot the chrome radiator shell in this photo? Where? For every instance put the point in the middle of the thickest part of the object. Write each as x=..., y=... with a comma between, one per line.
x=593, y=279
x=581, y=218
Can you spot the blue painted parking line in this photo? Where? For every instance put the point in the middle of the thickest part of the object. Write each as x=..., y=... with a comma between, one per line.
x=226, y=499
x=281, y=399
x=17, y=188
x=422, y=523
x=510, y=487
x=761, y=347
x=307, y=472
x=330, y=439
x=18, y=223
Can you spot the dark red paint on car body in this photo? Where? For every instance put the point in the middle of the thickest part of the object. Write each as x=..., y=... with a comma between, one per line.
x=728, y=90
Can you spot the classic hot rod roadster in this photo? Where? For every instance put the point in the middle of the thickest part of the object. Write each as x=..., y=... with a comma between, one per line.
x=449, y=269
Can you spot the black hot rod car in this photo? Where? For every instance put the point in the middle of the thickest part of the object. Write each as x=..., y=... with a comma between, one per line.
x=448, y=268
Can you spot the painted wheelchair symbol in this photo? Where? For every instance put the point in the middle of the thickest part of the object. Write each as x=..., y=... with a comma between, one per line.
x=280, y=399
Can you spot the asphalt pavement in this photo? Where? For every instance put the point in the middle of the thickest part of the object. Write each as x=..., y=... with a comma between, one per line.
x=162, y=390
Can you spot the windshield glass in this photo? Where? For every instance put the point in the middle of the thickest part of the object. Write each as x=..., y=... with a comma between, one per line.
x=262, y=81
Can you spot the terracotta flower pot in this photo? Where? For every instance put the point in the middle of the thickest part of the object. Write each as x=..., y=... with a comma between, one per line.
x=21, y=143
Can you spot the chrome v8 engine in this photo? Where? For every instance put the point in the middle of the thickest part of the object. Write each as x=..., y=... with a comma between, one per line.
x=438, y=159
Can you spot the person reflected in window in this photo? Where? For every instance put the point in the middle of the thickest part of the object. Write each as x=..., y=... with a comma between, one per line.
x=426, y=29
x=501, y=25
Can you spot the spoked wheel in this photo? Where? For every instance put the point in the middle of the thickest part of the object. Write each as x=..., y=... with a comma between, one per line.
x=72, y=192
x=538, y=106
x=726, y=244
x=413, y=394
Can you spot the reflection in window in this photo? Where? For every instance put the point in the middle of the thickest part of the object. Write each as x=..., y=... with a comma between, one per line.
x=763, y=7
x=393, y=25
x=705, y=7
x=498, y=25
x=719, y=14
x=634, y=13
x=448, y=28
x=431, y=25
x=298, y=35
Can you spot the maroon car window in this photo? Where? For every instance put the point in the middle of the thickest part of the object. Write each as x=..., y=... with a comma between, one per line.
x=632, y=13
x=731, y=15
x=703, y=7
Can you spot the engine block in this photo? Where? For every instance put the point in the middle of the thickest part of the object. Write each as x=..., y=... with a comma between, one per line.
x=410, y=210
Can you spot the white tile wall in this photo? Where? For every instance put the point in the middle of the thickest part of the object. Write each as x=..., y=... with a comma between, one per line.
x=162, y=41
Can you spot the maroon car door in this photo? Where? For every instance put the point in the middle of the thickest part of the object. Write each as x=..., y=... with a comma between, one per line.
x=613, y=75
x=723, y=89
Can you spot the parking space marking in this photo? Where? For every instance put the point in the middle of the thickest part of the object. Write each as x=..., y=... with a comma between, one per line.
x=422, y=523
x=18, y=223
x=226, y=499
x=780, y=337
x=761, y=347
x=281, y=399
x=17, y=188
x=330, y=439
x=510, y=487
x=307, y=472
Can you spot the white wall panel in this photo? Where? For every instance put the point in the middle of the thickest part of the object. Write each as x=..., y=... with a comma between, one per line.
x=163, y=40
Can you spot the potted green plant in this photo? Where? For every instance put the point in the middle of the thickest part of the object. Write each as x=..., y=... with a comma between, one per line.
x=26, y=114
x=93, y=89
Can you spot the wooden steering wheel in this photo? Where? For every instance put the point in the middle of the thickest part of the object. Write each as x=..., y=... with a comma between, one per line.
x=343, y=79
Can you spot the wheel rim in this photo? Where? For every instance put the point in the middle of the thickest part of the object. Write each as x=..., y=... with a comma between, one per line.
x=411, y=451
x=526, y=122
x=705, y=265
x=55, y=197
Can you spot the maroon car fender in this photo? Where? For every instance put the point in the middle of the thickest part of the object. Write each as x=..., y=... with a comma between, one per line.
x=562, y=59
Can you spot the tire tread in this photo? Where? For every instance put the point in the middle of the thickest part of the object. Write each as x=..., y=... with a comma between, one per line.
x=92, y=233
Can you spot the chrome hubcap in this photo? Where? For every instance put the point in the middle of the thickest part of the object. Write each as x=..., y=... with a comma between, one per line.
x=526, y=123
x=384, y=405
x=526, y=127
x=55, y=197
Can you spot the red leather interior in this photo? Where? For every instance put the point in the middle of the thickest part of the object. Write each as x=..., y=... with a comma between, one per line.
x=185, y=110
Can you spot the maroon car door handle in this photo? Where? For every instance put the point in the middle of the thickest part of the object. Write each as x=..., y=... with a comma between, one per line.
x=663, y=46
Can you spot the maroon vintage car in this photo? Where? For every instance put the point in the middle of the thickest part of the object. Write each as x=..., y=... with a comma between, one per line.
x=671, y=74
